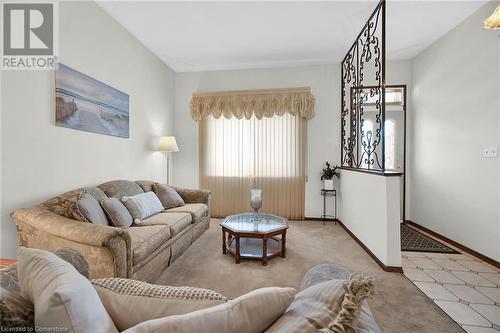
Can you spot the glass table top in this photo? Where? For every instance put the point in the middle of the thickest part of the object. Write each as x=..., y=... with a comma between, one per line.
x=251, y=222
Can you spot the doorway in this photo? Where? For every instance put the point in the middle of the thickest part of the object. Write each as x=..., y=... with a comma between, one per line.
x=394, y=153
x=395, y=137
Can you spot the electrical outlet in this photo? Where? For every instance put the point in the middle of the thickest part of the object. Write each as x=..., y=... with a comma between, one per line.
x=490, y=152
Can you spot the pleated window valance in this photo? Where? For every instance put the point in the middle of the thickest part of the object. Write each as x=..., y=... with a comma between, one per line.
x=261, y=103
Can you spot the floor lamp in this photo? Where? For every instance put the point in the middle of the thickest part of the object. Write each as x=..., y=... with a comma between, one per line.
x=168, y=145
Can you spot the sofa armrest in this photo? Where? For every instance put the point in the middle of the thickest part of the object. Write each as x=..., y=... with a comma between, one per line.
x=41, y=228
x=194, y=196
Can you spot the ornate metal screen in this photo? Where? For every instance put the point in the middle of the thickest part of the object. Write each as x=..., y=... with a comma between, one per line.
x=363, y=97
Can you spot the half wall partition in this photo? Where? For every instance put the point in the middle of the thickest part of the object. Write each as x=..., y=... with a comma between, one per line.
x=369, y=195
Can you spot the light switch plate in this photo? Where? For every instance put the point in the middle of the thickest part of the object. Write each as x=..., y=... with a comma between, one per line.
x=490, y=152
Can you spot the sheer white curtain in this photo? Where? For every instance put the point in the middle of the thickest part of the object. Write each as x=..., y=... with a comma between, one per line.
x=239, y=154
x=390, y=145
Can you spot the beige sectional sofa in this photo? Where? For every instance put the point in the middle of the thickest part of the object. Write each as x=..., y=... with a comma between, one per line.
x=329, y=299
x=140, y=252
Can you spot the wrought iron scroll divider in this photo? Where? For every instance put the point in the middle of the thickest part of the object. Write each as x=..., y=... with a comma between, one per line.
x=363, y=78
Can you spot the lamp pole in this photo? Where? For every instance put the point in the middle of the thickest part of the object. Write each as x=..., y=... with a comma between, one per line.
x=167, y=161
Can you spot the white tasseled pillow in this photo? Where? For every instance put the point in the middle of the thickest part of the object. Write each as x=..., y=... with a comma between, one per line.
x=142, y=205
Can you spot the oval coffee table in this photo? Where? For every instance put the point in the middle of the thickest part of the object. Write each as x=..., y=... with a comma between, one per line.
x=254, y=236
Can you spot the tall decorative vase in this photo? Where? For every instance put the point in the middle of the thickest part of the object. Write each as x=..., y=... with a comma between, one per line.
x=256, y=199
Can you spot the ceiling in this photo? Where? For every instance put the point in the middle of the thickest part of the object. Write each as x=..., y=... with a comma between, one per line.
x=201, y=36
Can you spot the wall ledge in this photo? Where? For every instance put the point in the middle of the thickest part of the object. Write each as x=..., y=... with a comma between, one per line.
x=374, y=172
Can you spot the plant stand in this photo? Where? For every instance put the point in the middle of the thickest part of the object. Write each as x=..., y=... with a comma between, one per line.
x=329, y=194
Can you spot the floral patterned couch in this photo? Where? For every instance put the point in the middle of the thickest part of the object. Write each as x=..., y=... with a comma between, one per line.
x=140, y=252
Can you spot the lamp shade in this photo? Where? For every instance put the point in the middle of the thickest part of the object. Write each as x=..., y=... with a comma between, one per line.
x=493, y=22
x=168, y=144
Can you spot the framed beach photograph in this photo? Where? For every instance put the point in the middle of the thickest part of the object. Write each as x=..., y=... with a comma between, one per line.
x=86, y=104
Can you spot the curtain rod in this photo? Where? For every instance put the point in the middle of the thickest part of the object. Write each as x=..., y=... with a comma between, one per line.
x=252, y=92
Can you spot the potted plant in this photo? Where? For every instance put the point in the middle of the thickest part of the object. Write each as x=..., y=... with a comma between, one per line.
x=327, y=176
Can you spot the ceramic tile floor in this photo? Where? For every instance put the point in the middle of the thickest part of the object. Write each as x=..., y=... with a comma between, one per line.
x=465, y=287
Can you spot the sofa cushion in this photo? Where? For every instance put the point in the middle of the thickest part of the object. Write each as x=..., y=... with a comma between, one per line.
x=118, y=214
x=62, y=296
x=150, y=301
x=175, y=221
x=91, y=209
x=146, y=185
x=142, y=205
x=168, y=196
x=197, y=211
x=252, y=312
x=119, y=188
x=146, y=239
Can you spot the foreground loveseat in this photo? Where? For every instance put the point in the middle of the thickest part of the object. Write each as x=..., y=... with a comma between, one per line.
x=52, y=291
x=142, y=251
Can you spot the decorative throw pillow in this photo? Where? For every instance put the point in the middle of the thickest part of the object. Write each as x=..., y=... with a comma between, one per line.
x=150, y=301
x=117, y=213
x=250, y=313
x=66, y=205
x=324, y=272
x=63, y=298
x=15, y=310
x=142, y=205
x=74, y=258
x=80, y=204
x=90, y=208
x=359, y=288
x=168, y=196
x=323, y=308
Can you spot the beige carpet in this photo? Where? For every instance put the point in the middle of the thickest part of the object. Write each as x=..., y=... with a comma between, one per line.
x=399, y=306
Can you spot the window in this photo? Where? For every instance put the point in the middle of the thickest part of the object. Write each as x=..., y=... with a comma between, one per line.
x=251, y=148
x=239, y=154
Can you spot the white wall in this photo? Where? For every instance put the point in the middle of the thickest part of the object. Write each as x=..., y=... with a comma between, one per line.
x=323, y=129
x=369, y=207
x=40, y=160
x=456, y=113
x=399, y=73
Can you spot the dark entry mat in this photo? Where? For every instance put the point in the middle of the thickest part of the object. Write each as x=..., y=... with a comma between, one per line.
x=415, y=241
